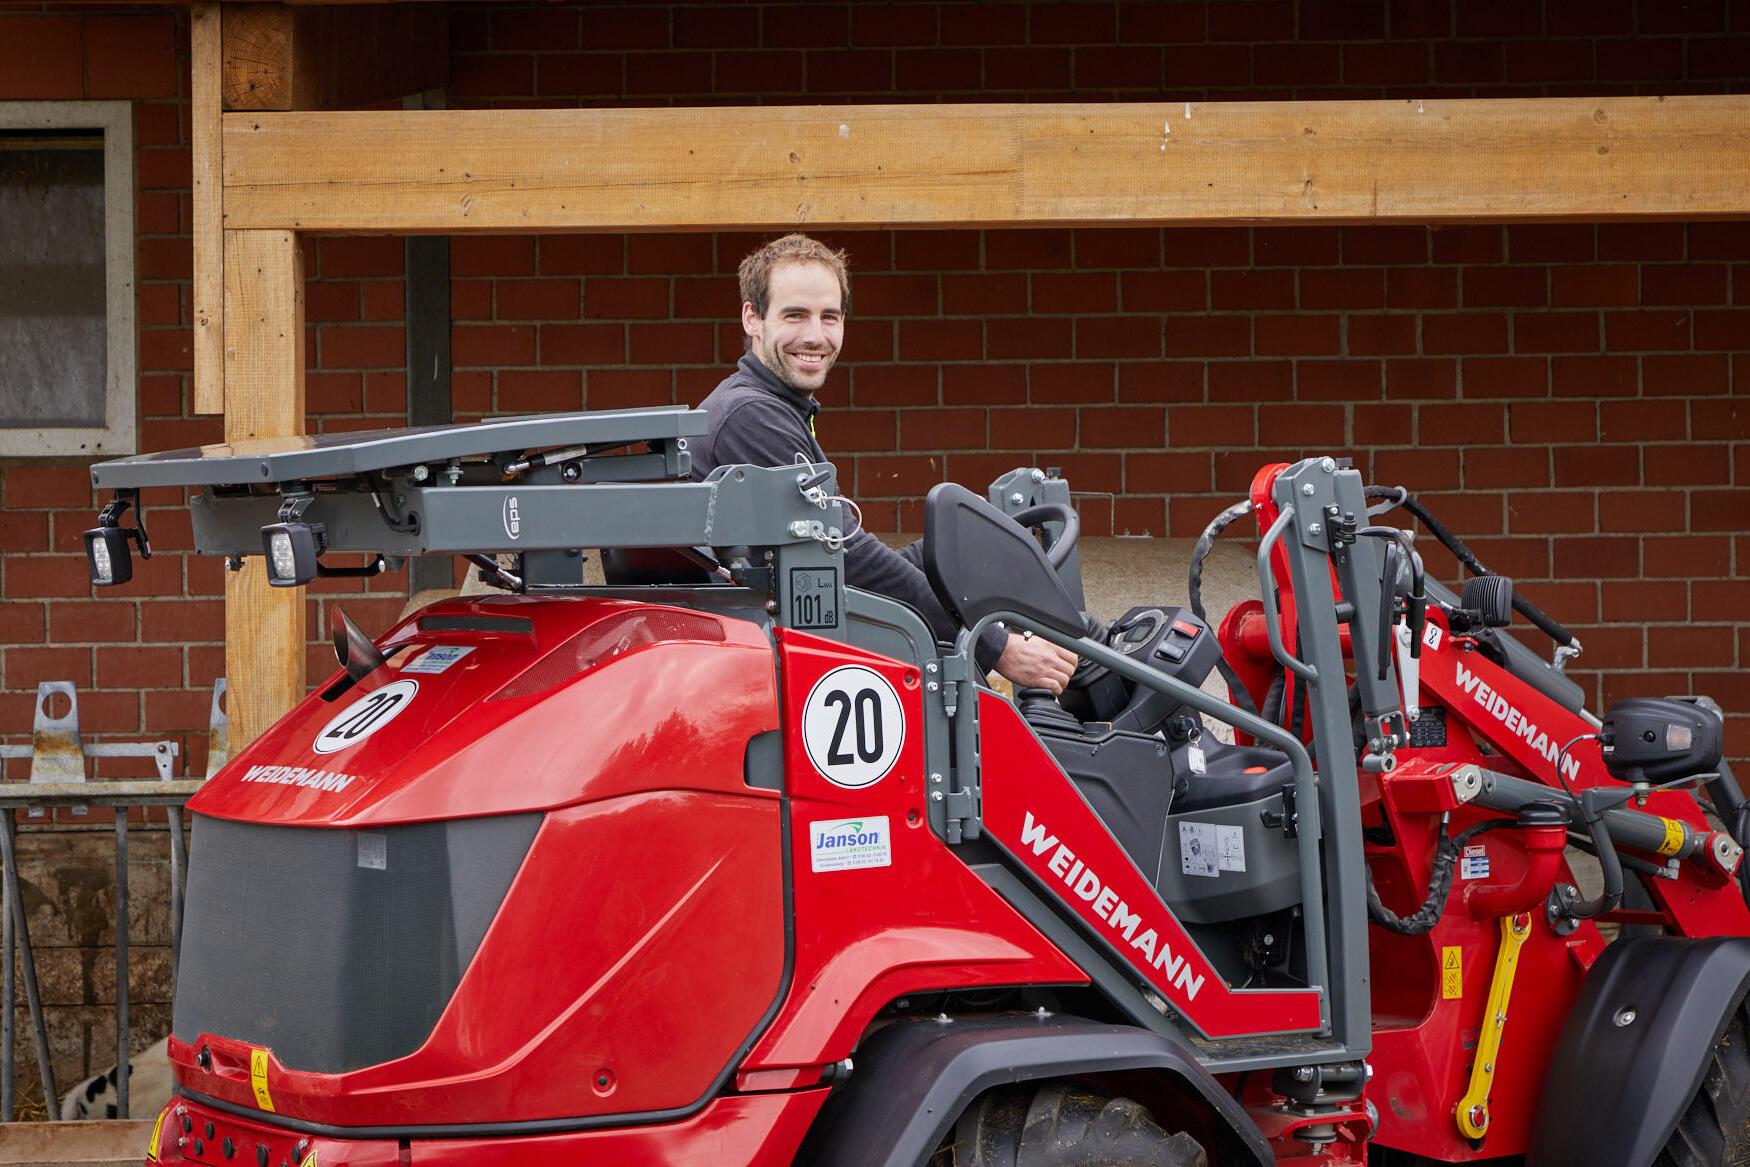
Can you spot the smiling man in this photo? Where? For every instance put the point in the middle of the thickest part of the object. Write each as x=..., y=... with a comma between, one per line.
x=794, y=295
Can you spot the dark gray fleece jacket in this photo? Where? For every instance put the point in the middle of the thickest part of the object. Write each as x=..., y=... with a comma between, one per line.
x=757, y=420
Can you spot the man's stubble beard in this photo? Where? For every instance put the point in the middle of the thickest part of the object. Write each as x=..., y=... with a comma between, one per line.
x=772, y=359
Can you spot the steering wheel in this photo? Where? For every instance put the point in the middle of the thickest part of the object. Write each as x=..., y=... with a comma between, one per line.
x=1054, y=512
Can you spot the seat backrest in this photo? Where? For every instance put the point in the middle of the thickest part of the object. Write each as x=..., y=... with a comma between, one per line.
x=979, y=561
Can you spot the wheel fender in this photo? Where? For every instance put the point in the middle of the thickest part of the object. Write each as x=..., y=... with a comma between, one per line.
x=1616, y=1087
x=912, y=1079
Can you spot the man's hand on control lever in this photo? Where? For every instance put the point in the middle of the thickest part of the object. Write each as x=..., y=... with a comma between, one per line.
x=1032, y=662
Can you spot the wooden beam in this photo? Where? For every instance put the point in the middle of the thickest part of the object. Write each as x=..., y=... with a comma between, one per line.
x=457, y=171
x=264, y=375
x=209, y=212
x=281, y=57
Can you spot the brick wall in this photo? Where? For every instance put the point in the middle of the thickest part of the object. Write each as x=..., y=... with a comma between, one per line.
x=1569, y=396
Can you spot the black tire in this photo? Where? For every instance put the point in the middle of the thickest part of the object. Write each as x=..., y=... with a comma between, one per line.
x=1062, y=1125
x=1715, y=1130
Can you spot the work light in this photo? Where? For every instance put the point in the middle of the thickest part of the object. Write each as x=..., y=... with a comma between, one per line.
x=107, y=557
x=291, y=550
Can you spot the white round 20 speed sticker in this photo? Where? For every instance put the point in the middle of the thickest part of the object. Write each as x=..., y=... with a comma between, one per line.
x=366, y=716
x=853, y=726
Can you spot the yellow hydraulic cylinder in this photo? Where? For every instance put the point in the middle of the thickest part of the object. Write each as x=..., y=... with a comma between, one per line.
x=1473, y=1108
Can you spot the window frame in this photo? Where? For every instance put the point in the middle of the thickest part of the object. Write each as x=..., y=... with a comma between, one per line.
x=119, y=433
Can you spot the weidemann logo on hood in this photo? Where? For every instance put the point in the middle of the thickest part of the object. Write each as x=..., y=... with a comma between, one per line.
x=1091, y=889
x=1508, y=714
x=300, y=776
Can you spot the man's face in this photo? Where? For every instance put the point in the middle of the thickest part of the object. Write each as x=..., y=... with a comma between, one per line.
x=799, y=337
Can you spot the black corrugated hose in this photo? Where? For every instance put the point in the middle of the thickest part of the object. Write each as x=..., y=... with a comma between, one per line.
x=1236, y=689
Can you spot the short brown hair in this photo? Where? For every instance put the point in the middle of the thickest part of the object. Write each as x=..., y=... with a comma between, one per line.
x=756, y=269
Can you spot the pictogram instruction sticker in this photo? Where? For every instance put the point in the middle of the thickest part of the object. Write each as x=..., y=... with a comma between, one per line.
x=258, y=1079
x=849, y=844
x=853, y=726
x=437, y=658
x=1451, y=973
x=1197, y=850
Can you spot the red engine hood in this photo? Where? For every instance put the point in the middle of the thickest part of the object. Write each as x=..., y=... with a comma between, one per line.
x=500, y=705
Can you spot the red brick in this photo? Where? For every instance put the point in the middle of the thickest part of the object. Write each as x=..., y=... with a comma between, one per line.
x=352, y=256
x=1603, y=557
x=333, y=392
x=492, y=255
x=1160, y=381
x=158, y=212
x=571, y=255
x=1114, y=427
x=583, y=344
x=491, y=345
x=329, y=301
x=1553, y=421
x=945, y=340
x=1220, y=426
x=1297, y=336
x=1505, y=467
x=1684, y=374
x=1014, y=338
x=1163, y=291
x=1251, y=381
x=1048, y=68
x=386, y=392
x=538, y=300
x=1686, y=557
x=1295, y=246
x=1426, y=287
x=29, y=530
x=28, y=667
x=470, y=300
x=1167, y=472
x=477, y=75
x=706, y=297
x=1683, y=284
x=1641, y=600
x=1023, y=429
x=668, y=255
x=1209, y=336
x=1594, y=285
x=539, y=391
x=1465, y=333
x=165, y=259
x=1490, y=377
x=1342, y=22
x=1596, y=465
x=894, y=385
x=1251, y=289
x=1207, y=247
x=627, y=388
x=1505, y=287
x=625, y=28
x=33, y=485
x=162, y=168
x=984, y=384
x=1467, y=424
x=1551, y=243
x=1080, y=292
x=1081, y=381
x=936, y=71
x=1358, y=288
x=630, y=299
x=665, y=75
x=1421, y=19
x=1118, y=336
x=1117, y=247
x=670, y=344
x=41, y=57
x=1117, y=67
x=130, y=56
x=1640, y=421
x=1690, y=464
x=1555, y=332
x=1646, y=331
x=1719, y=58
x=1594, y=377
x=1385, y=64
x=1338, y=381
x=363, y=347
x=1469, y=63
x=858, y=71
x=1028, y=248
x=1297, y=64
x=1302, y=426
x=138, y=667
x=982, y=24
x=1723, y=329
x=384, y=300
x=896, y=295
x=978, y=295
x=1467, y=244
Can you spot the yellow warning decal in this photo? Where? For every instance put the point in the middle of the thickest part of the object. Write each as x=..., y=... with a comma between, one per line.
x=1451, y=973
x=310, y=1161
x=1673, y=837
x=258, y=1079
x=157, y=1130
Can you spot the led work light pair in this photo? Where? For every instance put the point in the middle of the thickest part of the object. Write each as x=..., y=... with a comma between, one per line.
x=291, y=546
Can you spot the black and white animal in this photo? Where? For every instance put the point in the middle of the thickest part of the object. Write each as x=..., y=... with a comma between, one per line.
x=149, y=1086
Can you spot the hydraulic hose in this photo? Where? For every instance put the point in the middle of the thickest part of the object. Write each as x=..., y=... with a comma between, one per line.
x=1446, y=854
x=1462, y=552
x=1236, y=688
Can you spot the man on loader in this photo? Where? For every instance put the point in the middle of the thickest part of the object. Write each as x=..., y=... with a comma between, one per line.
x=793, y=300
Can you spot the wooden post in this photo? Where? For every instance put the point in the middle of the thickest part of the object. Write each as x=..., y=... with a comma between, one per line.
x=264, y=372
x=209, y=210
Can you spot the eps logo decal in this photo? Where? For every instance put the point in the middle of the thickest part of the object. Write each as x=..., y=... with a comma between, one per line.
x=366, y=716
x=513, y=518
x=853, y=727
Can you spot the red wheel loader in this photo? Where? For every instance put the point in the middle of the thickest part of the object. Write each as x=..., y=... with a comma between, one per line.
x=725, y=862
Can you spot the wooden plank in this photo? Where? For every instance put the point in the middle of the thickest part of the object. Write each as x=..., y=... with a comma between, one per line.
x=209, y=210
x=456, y=171
x=281, y=57
x=264, y=378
